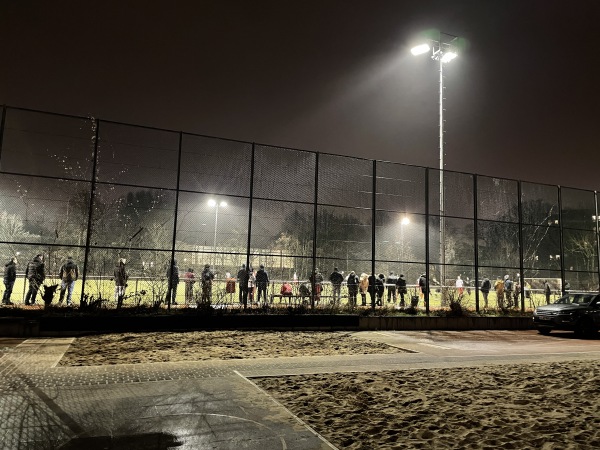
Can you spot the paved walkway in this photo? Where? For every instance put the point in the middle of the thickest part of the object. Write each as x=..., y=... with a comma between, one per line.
x=213, y=404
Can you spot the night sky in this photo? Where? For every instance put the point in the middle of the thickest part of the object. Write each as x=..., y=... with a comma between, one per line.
x=330, y=75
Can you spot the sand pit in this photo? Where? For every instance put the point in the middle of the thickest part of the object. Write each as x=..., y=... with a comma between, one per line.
x=132, y=348
x=527, y=406
x=536, y=406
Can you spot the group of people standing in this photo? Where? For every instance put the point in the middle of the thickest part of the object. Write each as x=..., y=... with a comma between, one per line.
x=35, y=274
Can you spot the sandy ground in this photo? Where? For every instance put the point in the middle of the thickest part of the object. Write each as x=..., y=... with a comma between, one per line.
x=535, y=406
x=527, y=406
x=131, y=348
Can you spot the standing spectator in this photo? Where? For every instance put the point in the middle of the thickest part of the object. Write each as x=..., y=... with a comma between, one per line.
x=10, y=275
x=547, y=291
x=401, y=285
x=69, y=273
x=207, y=278
x=316, y=280
x=391, y=281
x=262, y=281
x=508, y=290
x=373, y=289
x=486, y=285
x=422, y=282
x=243, y=277
x=352, y=283
x=499, y=288
x=363, y=285
x=380, y=288
x=173, y=282
x=120, y=278
x=459, y=286
x=189, y=278
x=242, y=283
x=336, y=279
x=36, y=274
x=468, y=286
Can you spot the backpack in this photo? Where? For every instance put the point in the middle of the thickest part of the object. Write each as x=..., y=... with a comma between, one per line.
x=508, y=284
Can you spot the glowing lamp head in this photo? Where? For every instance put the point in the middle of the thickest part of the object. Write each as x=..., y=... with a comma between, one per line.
x=448, y=56
x=420, y=49
x=211, y=202
x=405, y=221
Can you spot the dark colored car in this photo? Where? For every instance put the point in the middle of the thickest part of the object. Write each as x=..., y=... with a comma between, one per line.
x=579, y=312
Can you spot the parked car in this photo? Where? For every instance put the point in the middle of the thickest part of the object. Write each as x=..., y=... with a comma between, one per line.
x=579, y=312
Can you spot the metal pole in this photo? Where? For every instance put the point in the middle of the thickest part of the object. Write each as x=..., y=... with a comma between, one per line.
x=562, y=241
x=597, y=236
x=442, y=203
x=174, y=243
x=216, y=221
x=521, y=252
x=315, y=225
x=426, y=241
x=476, y=241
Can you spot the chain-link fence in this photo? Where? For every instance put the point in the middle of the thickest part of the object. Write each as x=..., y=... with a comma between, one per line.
x=113, y=197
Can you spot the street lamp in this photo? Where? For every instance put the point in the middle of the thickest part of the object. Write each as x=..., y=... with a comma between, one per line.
x=443, y=51
x=216, y=205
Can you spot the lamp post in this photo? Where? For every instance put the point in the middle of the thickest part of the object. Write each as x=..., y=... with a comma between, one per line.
x=443, y=51
x=216, y=205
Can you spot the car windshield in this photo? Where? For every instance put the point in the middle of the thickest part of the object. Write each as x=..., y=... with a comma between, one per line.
x=579, y=299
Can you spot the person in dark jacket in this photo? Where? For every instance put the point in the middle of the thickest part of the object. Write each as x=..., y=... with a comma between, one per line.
x=380, y=287
x=372, y=289
x=206, y=278
x=120, y=279
x=242, y=283
x=352, y=283
x=36, y=274
x=316, y=281
x=391, y=281
x=173, y=281
x=336, y=279
x=10, y=275
x=262, y=281
x=401, y=286
x=69, y=273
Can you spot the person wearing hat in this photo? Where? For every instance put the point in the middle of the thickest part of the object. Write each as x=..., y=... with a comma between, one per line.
x=207, y=278
x=262, y=281
x=69, y=272
x=336, y=279
x=36, y=274
x=352, y=283
x=401, y=286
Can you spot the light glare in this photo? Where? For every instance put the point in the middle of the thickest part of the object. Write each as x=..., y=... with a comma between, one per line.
x=211, y=202
x=448, y=56
x=405, y=221
x=420, y=49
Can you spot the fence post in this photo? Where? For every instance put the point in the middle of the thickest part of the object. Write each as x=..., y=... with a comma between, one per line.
x=426, y=293
x=91, y=206
x=562, y=241
x=476, y=241
x=521, y=254
x=315, y=224
x=169, y=289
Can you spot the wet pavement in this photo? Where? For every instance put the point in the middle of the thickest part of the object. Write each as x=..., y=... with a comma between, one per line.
x=214, y=404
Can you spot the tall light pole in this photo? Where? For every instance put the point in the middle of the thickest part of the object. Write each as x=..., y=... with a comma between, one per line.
x=214, y=203
x=443, y=51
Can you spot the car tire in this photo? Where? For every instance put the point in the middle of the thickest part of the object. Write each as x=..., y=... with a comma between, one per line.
x=544, y=331
x=586, y=328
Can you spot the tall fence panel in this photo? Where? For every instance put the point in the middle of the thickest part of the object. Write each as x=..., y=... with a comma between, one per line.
x=101, y=192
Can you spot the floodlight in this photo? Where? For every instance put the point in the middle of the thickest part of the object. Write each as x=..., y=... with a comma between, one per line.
x=420, y=49
x=448, y=56
x=223, y=203
x=405, y=221
x=211, y=202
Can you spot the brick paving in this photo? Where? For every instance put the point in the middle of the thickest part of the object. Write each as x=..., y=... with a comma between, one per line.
x=203, y=404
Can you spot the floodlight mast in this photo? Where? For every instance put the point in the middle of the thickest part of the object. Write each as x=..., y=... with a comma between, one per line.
x=442, y=51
